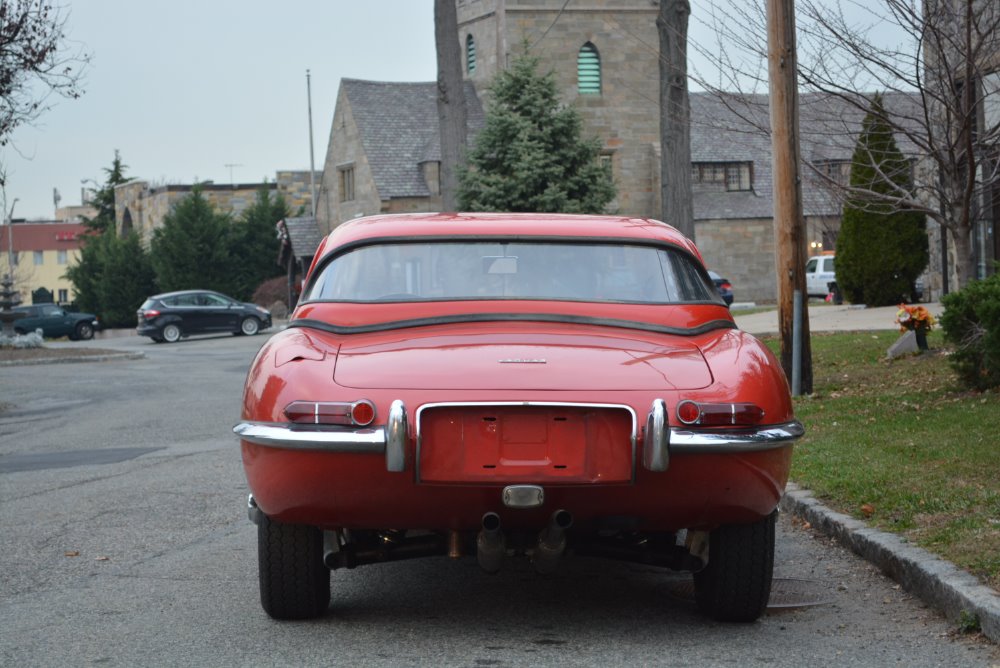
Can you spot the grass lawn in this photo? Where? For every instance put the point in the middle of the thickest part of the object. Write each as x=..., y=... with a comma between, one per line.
x=901, y=445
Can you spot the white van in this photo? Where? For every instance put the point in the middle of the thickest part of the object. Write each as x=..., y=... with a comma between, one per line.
x=819, y=275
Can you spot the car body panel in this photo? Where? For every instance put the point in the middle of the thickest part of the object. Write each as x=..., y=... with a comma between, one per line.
x=524, y=378
x=355, y=491
x=53, y=320
x=196, y=312
x=525, y=356
x=820, y=273
x=724, y=286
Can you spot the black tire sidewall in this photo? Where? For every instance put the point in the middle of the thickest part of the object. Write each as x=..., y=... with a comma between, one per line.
x=84, y=331
x=735, y=585
x=294, y=581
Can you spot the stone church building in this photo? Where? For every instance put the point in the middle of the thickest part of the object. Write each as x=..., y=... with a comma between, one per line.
x=383, y=153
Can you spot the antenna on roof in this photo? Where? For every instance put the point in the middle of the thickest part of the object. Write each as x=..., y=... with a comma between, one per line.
x=230, y=166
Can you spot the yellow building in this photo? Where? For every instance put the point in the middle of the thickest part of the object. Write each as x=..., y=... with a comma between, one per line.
x=42, y=252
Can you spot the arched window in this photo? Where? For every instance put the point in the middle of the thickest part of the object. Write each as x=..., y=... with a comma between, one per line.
x=126, y=224
x=470, y=54
x=588, y=70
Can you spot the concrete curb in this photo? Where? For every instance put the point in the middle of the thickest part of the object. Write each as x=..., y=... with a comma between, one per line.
x=80, y=358
x=937, y=582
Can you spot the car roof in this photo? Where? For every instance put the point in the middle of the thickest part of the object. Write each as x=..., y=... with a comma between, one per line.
x=187, y=292
x=504, y=225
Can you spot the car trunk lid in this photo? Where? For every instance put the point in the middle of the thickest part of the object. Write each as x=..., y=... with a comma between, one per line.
x=526, y=361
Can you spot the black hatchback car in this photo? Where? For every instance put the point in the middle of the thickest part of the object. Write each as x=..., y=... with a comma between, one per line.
x=173, y=315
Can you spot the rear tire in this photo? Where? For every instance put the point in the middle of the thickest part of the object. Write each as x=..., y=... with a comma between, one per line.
x=171, y=333
x=736, y=583
x=294, y=581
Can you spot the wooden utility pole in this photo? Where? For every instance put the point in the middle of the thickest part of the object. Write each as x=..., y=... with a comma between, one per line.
x=789, y=226
x=450, y=100
x=675, y=117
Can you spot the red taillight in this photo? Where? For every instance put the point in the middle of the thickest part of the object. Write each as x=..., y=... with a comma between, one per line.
x=726, y=285
x=150, y=314
x=363, y=412
x=356, y=414
x=719, y=415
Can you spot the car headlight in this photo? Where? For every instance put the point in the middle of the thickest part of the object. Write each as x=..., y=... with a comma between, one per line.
x=262, y=310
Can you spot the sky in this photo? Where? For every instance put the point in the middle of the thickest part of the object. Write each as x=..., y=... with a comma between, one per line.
x=184, y=88
x=216, y=90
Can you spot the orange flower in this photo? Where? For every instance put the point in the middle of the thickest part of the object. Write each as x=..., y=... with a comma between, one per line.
x=914, y=317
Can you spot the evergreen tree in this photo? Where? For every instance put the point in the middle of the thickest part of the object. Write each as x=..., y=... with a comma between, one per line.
x=126, y=281
x=254, y=244
x=85, y=273
x=191, y=249
x=530, y=155
x=104, y=197
x=880, y=251
x=90, y=270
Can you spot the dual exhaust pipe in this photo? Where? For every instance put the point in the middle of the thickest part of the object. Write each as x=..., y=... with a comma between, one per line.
x=491, y=544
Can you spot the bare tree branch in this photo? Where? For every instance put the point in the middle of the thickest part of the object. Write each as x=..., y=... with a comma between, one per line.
x=937, y=79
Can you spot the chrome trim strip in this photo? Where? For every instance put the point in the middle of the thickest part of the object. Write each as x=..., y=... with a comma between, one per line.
x=369, y=440
x=686, y=441
x=458, y=404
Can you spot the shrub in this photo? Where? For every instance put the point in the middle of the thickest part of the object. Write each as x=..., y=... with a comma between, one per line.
x=971, y=321
x=270, y=291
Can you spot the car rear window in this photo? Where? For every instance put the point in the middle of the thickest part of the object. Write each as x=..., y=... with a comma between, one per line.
x=598, y=272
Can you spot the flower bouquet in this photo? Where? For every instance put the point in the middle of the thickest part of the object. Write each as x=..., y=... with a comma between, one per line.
x=916, y=319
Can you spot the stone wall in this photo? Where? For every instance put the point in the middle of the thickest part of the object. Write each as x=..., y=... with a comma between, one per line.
x=625, y=116
x=743, y=252
x=142, y=208
x=295, y=187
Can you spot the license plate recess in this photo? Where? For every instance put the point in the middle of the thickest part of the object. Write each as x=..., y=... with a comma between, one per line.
x=520, y=443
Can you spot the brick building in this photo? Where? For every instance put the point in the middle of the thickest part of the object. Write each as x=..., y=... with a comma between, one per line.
x=42, y=253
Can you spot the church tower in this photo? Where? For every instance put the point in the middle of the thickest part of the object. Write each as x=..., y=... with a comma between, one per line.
x=604, y=54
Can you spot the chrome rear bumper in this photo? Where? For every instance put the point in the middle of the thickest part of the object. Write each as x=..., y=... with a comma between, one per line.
x=391, y=439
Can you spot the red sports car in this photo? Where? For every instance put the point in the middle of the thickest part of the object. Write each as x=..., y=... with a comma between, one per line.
x=514, y=385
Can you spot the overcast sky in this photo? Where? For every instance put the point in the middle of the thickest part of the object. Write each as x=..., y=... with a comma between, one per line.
x=216, y=89
x=184, y=88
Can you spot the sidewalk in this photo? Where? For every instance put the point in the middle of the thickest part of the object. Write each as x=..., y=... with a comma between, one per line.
x=830, y=318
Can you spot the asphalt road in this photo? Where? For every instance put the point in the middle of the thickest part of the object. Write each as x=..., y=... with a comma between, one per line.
x=126, y=543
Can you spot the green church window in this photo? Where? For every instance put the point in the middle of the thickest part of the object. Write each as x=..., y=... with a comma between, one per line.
x=470, y=54
x=588, y=70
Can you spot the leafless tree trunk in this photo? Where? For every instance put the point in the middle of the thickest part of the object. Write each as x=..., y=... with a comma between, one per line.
x=450, y=99
x=675, y=116
x=936, y=85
